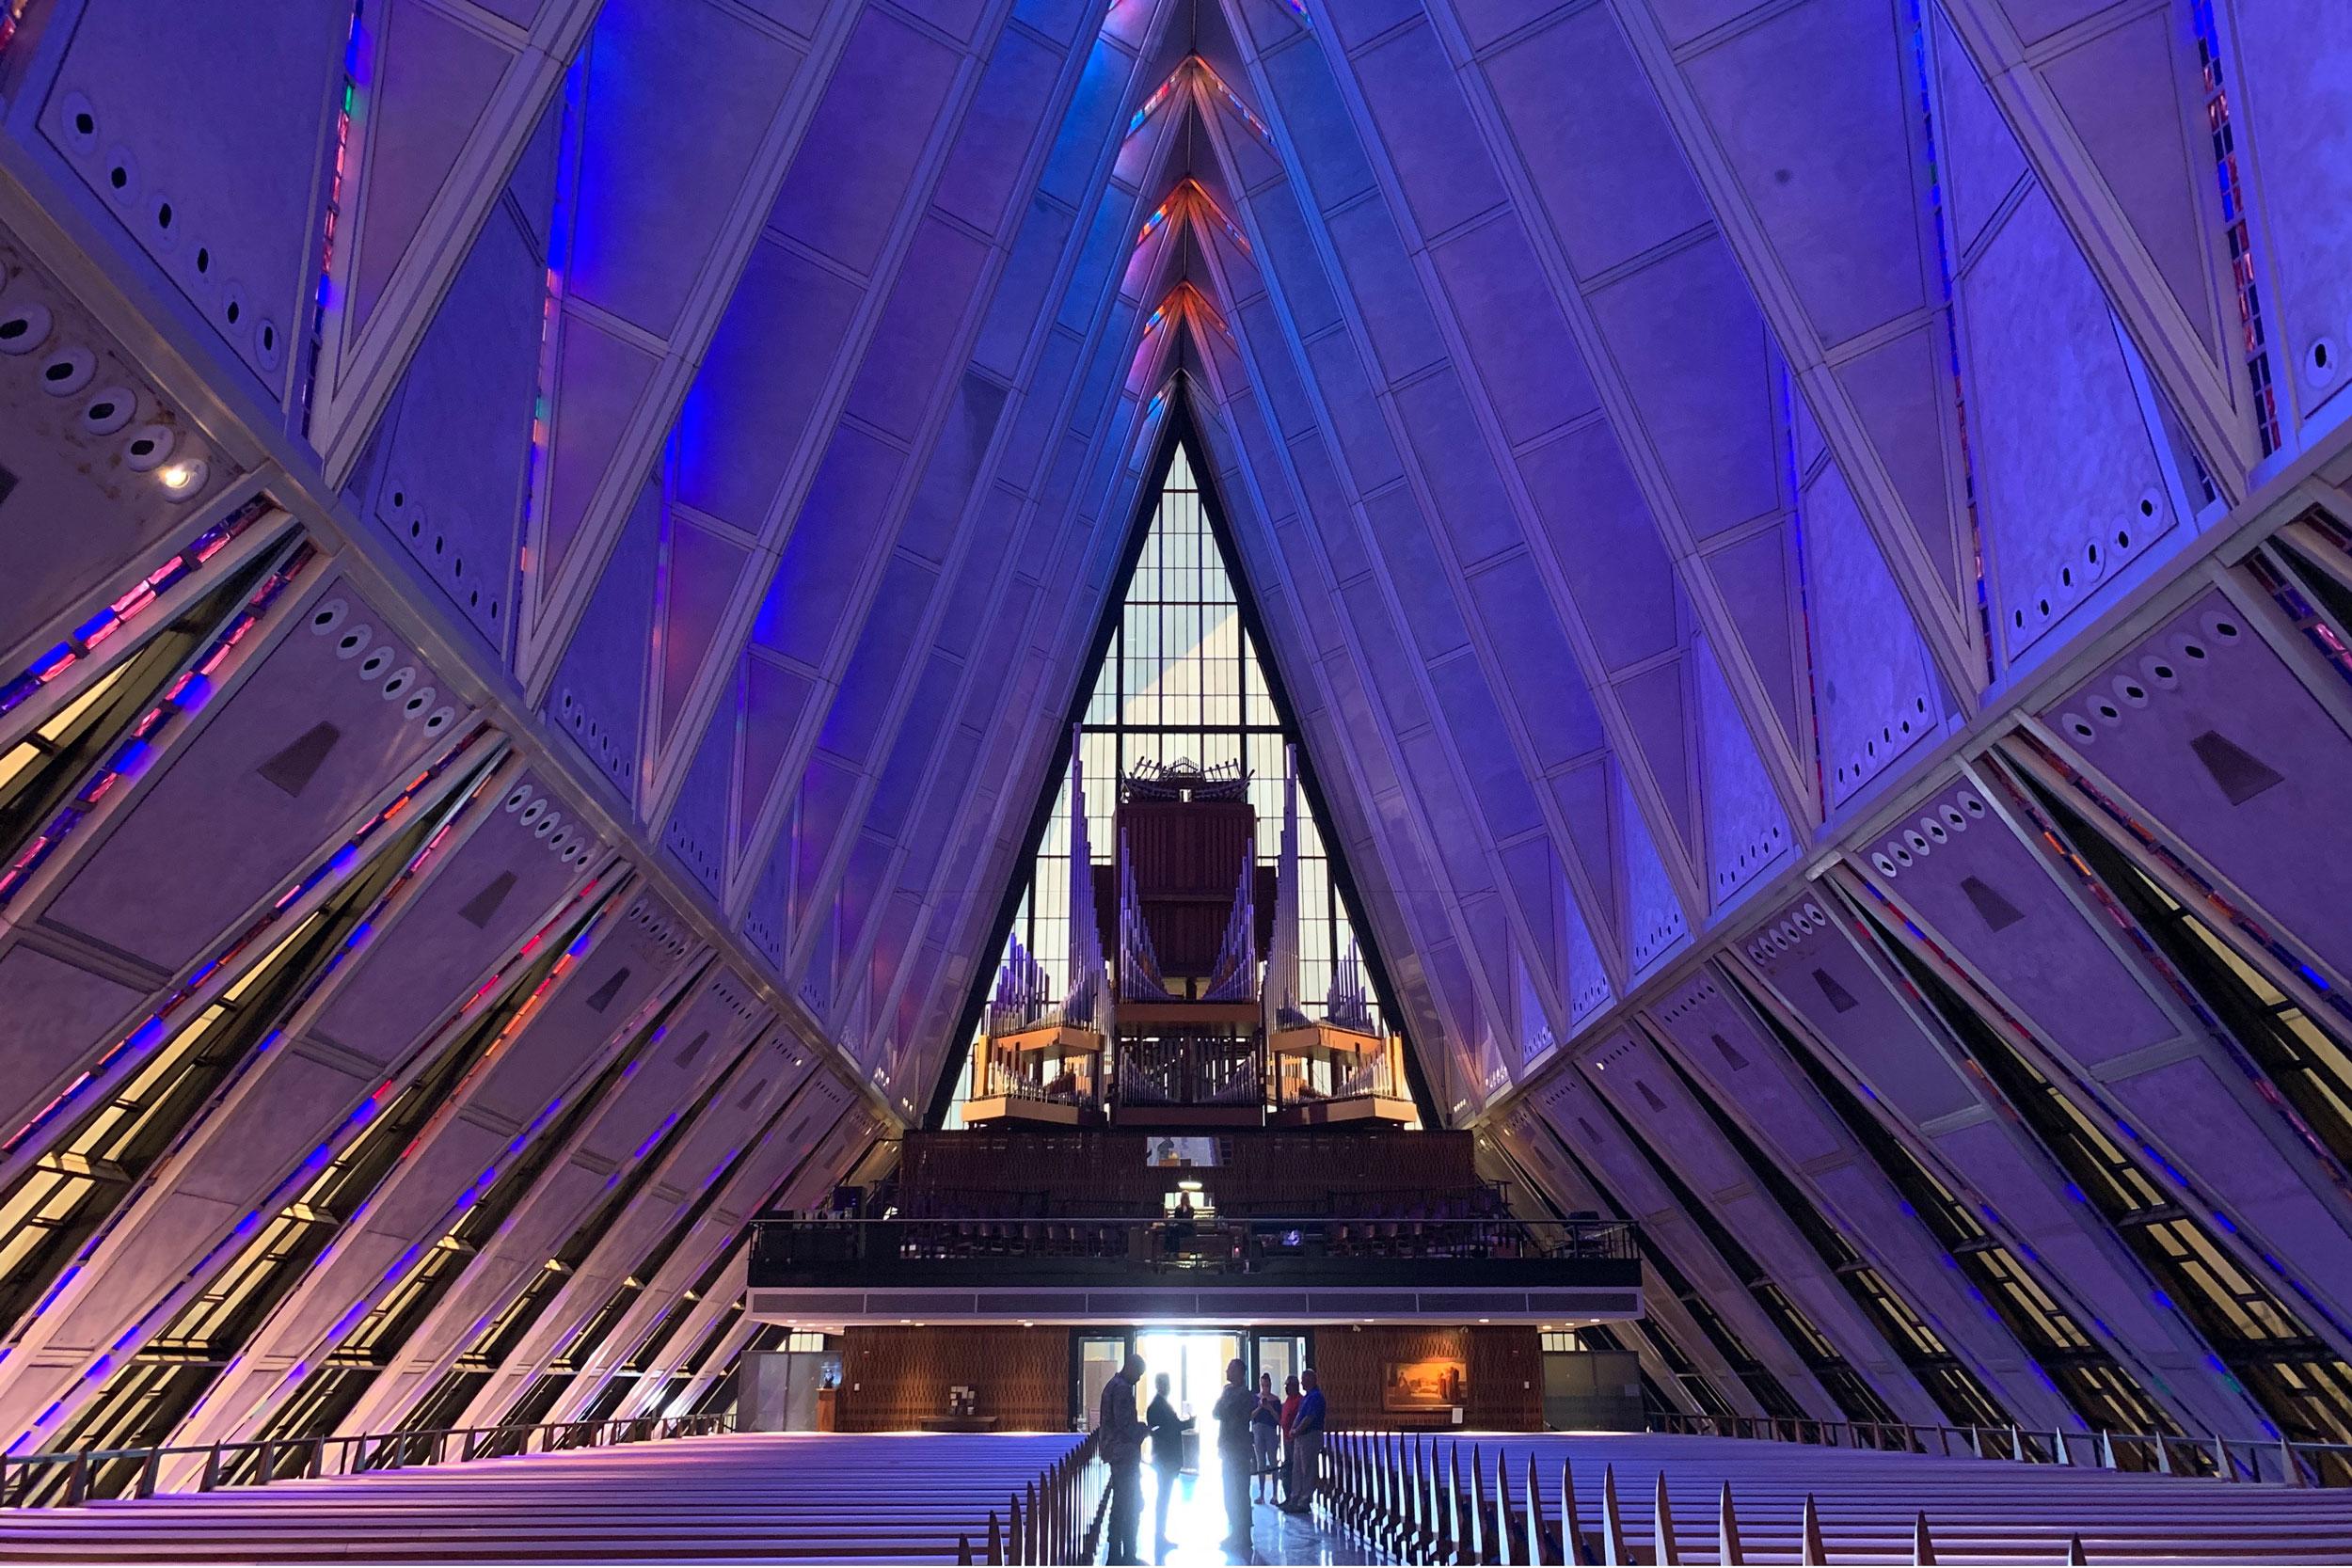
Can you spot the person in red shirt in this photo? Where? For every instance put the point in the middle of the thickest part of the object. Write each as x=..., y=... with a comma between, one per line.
x=1289, y=1415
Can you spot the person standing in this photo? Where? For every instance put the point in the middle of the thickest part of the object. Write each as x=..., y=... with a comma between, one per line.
x=1168, y=1454
x=1306, y=1445
x=1235, y=1449
x=1265, y=1435
x=1118, y=1438
x=1289, y=1415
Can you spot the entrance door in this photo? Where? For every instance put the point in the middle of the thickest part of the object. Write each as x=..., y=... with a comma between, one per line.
x=1283, y=1356
x=1195, y=1362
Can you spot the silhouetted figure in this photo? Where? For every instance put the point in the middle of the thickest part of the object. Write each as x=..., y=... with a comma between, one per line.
x=1120, y=1441
x=1235, y=1449
x=1167, y=1453
x=1306, y=1445
x=1289, y=1414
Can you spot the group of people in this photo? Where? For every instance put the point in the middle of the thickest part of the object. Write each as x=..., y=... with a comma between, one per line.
x=1277, y=1443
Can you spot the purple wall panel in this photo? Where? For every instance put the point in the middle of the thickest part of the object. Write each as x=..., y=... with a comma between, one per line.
x=1479, y=518
x=2069, y=489
x=745, y=415
x=2208, y=731
x=449, y=487
x=695, y=835
x=1532, y=373
x=1601, y=159
x=1605, y=543
x=494, y=888
x=1433, y=142
x=1013, y=98
x=56, y=1013
x=333, y=717
x=1695, y=357
x=1389, y=299
x=1875, y=695
x=1747, y=830
x=566, y=1039
x=1813, y=110
x=900, y=368
x=865, y=137
x=241, y=241
x=679, y=95
x=432, y=77
x=1977, y=889
x=598, y=695
x=71, y=406
x=1813, y=964
x=2296, y=96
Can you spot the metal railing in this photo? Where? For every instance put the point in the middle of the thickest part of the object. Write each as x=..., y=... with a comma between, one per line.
x=1240, y=1246
x=73, y=1477
x=2238, y=1459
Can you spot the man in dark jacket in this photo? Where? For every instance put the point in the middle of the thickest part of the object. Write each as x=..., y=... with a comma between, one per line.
x=1118, y=1438
x=1167, y=1453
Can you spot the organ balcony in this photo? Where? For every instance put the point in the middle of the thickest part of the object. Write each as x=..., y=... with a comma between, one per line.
x=1191, y=1265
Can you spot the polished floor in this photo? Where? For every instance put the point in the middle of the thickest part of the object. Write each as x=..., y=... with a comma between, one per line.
x=1195, y=1529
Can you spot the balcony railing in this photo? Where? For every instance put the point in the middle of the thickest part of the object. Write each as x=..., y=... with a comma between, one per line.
x=1290, y=1250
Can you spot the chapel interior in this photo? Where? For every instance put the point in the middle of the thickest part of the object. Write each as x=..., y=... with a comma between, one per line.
x=754, y=751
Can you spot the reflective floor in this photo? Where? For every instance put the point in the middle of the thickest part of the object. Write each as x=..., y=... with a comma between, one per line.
x=1195, y=1529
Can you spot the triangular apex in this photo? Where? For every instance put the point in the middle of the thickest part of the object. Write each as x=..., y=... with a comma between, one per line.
x=1211, y=874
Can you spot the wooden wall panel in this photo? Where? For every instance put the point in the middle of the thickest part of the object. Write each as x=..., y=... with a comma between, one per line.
x=1506, y=1383
x=892, y=1378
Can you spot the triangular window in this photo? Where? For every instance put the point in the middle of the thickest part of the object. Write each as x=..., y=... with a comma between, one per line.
x=1180, y=680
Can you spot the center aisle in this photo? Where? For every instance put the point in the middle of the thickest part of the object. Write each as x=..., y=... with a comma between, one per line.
x=1196, y=1529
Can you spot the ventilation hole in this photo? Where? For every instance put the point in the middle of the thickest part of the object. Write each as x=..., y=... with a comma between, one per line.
x=163, y=215
x=84, y=124
x=352, y=641
x=517, y=796
x=203, y=260
x=374, y=664
x=23, y=329
x=326, y=616
x=147, y=448
x=109, y=411
x=68, y=373
x=118, y=177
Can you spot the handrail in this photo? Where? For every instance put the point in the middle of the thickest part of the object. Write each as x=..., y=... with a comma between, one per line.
x=66, y=1478
x=2277, y=1462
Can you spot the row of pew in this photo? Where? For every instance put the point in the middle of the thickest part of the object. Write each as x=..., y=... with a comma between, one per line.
x=1728, y=1500
x=931, y=1497
x=897, y=1497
